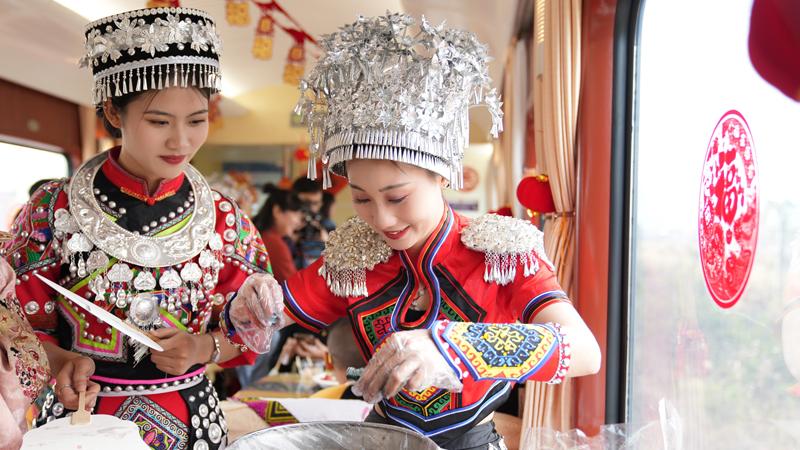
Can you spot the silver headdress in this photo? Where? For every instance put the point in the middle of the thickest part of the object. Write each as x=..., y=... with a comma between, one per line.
x=382, y=91
x=152, y=48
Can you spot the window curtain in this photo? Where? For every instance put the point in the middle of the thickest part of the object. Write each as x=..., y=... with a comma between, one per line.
x=557, y=28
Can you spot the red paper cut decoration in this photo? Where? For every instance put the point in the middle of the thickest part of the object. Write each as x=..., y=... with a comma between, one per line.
x=728, y=212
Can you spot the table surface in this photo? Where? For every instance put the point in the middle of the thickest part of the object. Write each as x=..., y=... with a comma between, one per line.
x=282, y=385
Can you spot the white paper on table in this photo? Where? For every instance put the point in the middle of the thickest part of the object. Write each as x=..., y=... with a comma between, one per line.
x=325, y=409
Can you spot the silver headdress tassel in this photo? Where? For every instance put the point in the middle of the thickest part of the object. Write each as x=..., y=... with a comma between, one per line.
x=385, y=91
x=153, y=48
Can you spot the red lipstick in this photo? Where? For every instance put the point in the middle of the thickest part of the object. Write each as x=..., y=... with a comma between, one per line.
x=174, y=160
x=394, y=235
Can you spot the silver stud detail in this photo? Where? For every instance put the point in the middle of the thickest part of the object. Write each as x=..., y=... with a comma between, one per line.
x=215, y=433
x=31, y=307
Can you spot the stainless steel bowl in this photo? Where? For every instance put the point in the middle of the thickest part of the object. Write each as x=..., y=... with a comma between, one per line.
x=334, y=436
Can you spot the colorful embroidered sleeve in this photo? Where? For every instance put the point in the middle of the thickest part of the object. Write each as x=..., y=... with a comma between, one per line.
x=529, y=295
x=504, y=351
x=33, y=250
x=245, y=254
x=308, y=300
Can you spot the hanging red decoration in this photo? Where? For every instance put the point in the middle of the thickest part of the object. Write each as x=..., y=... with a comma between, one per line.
x=296, y=59
x=262, y=43
x=237, y=12
x=534, y=193
x=301, y=154
x=163, y=3
x=272, y=14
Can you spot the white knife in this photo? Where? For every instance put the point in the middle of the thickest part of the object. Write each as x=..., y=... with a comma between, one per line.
x=121, y=326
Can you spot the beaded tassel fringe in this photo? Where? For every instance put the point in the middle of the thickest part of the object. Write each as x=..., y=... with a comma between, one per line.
x=157, y=76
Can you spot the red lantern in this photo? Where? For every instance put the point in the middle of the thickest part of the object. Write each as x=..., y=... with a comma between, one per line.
x=534, y=193
x=301, y=154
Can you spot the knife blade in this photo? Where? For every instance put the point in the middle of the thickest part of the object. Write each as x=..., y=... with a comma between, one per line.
x=120, y=325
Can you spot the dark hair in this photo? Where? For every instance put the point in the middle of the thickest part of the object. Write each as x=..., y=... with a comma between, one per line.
x=36, y=185
x=342, y=345
x=305, y=185
x=283, y=199
x=327, y=202
x=122, y=102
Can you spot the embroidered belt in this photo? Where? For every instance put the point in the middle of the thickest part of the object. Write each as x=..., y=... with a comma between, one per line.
x=121, y=387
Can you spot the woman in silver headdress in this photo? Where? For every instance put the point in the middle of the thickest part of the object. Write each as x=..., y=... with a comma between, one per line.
x=138, y=231
x=450, y=313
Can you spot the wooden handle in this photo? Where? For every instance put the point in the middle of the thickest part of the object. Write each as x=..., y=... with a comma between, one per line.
x=81, y=416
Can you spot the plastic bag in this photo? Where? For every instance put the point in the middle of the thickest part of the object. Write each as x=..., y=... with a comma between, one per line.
x=408, y=359
x=663, y=434
x=257, y=311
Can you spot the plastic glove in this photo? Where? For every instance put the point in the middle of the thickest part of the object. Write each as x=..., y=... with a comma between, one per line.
x=257, y=311
x=407, y=359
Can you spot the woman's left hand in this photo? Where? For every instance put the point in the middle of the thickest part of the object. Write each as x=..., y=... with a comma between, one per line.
x=181, y=350
x=407, y=359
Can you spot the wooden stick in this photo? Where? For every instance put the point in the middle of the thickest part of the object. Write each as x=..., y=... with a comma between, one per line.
x=81, y=416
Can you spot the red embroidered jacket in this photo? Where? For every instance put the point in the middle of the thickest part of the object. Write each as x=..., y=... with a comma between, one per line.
x=454, y=275
x=35, y=250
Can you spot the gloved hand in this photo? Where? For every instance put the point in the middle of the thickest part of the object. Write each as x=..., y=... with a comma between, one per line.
x=407, y=359
x=257, y=311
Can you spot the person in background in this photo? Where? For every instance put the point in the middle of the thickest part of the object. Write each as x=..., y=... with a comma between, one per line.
x=344, y=353
x=310, y=239
x=328, y=200
x=24, y=369
x=279, y=218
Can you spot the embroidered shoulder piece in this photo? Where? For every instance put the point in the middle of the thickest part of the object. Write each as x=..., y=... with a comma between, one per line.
x=33, y=245
x=505, y=242
x=351, y=250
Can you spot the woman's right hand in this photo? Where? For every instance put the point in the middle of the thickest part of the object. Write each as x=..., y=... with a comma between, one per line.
x=72, y=378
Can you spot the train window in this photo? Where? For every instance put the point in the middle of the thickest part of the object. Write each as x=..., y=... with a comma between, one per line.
x=22, y=167
x=715, y=242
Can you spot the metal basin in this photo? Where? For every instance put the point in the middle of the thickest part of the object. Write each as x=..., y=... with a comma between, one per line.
x=334, y=436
